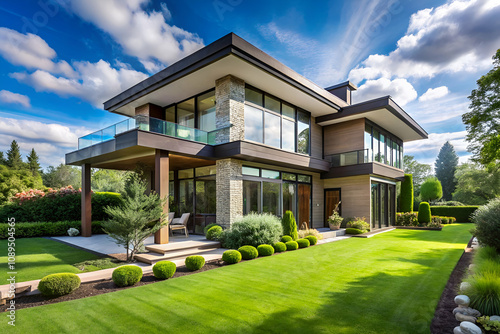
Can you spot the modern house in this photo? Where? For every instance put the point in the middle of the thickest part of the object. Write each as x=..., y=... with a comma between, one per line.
x=230, y=130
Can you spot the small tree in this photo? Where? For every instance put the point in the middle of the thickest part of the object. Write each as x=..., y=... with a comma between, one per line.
x=136, y=218
x=406, y=200
x=33, y=162
x=424, y=213
x=431, y=190
x=14, y=159
x=289, y=225
x=446, y=164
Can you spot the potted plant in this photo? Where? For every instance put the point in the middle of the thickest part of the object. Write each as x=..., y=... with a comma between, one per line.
x=335, y=220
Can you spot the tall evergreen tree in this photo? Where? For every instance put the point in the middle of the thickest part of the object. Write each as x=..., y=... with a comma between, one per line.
x=33, y=162
x=14, y=156
x=446, y=164
x=2, y=159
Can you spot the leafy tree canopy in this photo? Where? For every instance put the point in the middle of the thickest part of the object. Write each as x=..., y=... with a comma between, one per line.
x=62, y=176
x=483, y=120
x=419, y=171
x=445, y=166
x=13, y=181
x=476, y=185
x=109, y=180
x=431, y=190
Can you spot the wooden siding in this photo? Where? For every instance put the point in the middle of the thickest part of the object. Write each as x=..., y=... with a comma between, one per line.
x=344, y=137
x=355, y=195
x=316, y=140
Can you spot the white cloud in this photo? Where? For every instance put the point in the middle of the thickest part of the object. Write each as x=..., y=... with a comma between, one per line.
x=166, y=12
x=439, y=110
x=32, y=52
x=10, y=97
x=434, y=93
x=95, y=82
x=400, y=90
x=295, y=44
x=426, y=151
x=142, y=34
x=51, y=141
x=460, y=36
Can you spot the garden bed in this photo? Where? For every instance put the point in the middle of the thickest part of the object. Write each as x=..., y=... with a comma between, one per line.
x=100, y=287
x=424, y=228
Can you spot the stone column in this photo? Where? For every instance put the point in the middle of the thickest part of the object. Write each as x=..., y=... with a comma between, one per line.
x=161, y=188
x=86, y=202
x=229, y=191
x=230, y=107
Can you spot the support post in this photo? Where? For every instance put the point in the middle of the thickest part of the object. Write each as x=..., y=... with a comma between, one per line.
x=162, y=169
x=86, y=202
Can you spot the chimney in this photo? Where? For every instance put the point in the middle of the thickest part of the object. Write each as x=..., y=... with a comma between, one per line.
x=343, y=90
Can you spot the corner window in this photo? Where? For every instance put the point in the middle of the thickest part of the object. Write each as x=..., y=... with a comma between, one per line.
x=254, y=124
x=206, y=111
x=303, y=132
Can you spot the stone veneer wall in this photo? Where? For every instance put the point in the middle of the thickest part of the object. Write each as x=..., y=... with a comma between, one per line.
x=229, y=191
x=230, y=109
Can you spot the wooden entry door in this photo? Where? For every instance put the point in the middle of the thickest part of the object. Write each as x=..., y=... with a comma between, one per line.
x=332, y=198
x=304, y=199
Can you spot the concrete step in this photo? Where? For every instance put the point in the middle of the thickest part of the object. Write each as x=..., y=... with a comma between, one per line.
x=327, y=233
x=153, y=257
x=184, y=245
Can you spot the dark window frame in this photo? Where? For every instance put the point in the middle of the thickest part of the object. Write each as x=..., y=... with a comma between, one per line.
x=195, y=97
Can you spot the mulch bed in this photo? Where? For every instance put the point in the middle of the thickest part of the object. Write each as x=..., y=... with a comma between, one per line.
x=100, y=287
x=444, y=321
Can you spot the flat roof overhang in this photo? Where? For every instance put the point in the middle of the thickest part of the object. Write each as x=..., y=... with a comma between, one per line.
x=383, y=112
x=137, y=146
x=228, y=55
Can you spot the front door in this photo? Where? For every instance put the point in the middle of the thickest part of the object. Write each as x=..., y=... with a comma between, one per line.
x=332, y=198
x=304, y=199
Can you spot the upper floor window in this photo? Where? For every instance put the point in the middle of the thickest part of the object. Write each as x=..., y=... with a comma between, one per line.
x=383, y=147
x=273, y=122
x=196, y=112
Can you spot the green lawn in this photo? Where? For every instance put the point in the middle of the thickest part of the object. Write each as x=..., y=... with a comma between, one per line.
x=390, y=283
x=37, y=257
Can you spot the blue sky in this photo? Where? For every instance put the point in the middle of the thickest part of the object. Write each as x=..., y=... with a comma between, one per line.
x=61, y=59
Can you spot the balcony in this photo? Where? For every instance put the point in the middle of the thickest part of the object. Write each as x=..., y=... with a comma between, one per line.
x=349, y=158
x=155, y=125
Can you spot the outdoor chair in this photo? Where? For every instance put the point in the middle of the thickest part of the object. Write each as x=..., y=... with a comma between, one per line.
x=180, y=224
x=171, y=216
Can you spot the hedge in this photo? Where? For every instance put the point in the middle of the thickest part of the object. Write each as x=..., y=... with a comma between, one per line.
x=47, y=229
x=461, y=213
x=424, y=213
x=406, y=199
x=60, y=208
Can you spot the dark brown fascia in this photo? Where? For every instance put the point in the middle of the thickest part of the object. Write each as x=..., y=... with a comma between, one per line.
x=342, y=84
x=385, y=102
x=371, y=168
x=229, y=44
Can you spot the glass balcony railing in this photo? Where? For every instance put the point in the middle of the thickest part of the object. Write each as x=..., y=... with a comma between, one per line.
x=155, y=125
x=350, y=158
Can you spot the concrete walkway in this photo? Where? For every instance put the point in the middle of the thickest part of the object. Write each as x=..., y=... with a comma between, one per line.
x=103, y=244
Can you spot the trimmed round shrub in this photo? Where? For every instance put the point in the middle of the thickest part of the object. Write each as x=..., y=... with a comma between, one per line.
x=292, y=245
x=351, y=230
x=265, y=250
x=431, y=190
x=424, y=213
x=279, y=247
x=312, y=239
x=231, y=256
x=214, y=232
x=286, y=238
x=56, y=285
x=487, y=229
x=164, y=269
x=248, y=252
x=195, y=262
x=127, y=275
x=205, y=230
x=303, y=243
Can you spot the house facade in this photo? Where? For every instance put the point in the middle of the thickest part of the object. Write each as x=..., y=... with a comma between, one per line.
x=230, y=130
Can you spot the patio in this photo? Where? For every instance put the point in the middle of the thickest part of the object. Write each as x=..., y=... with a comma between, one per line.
x=102, y=244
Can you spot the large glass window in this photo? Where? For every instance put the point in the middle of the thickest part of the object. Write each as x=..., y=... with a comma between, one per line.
x=287, y=137
x=253, y=124
x=385, y=147
x=253, y=96
x=250, y=171
x=186, y=195
x=290, y=196
x=251, y=197
x=206, y=111
x=395, y=154
x=382, y=149
x=376, y=152
x=276, y=123
x=170, y=114
x=185, y=113
x=368, y=142
x=272, y=129
x=303, y=132
x=271, y=198
x=205, y=199
x=270, y=174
